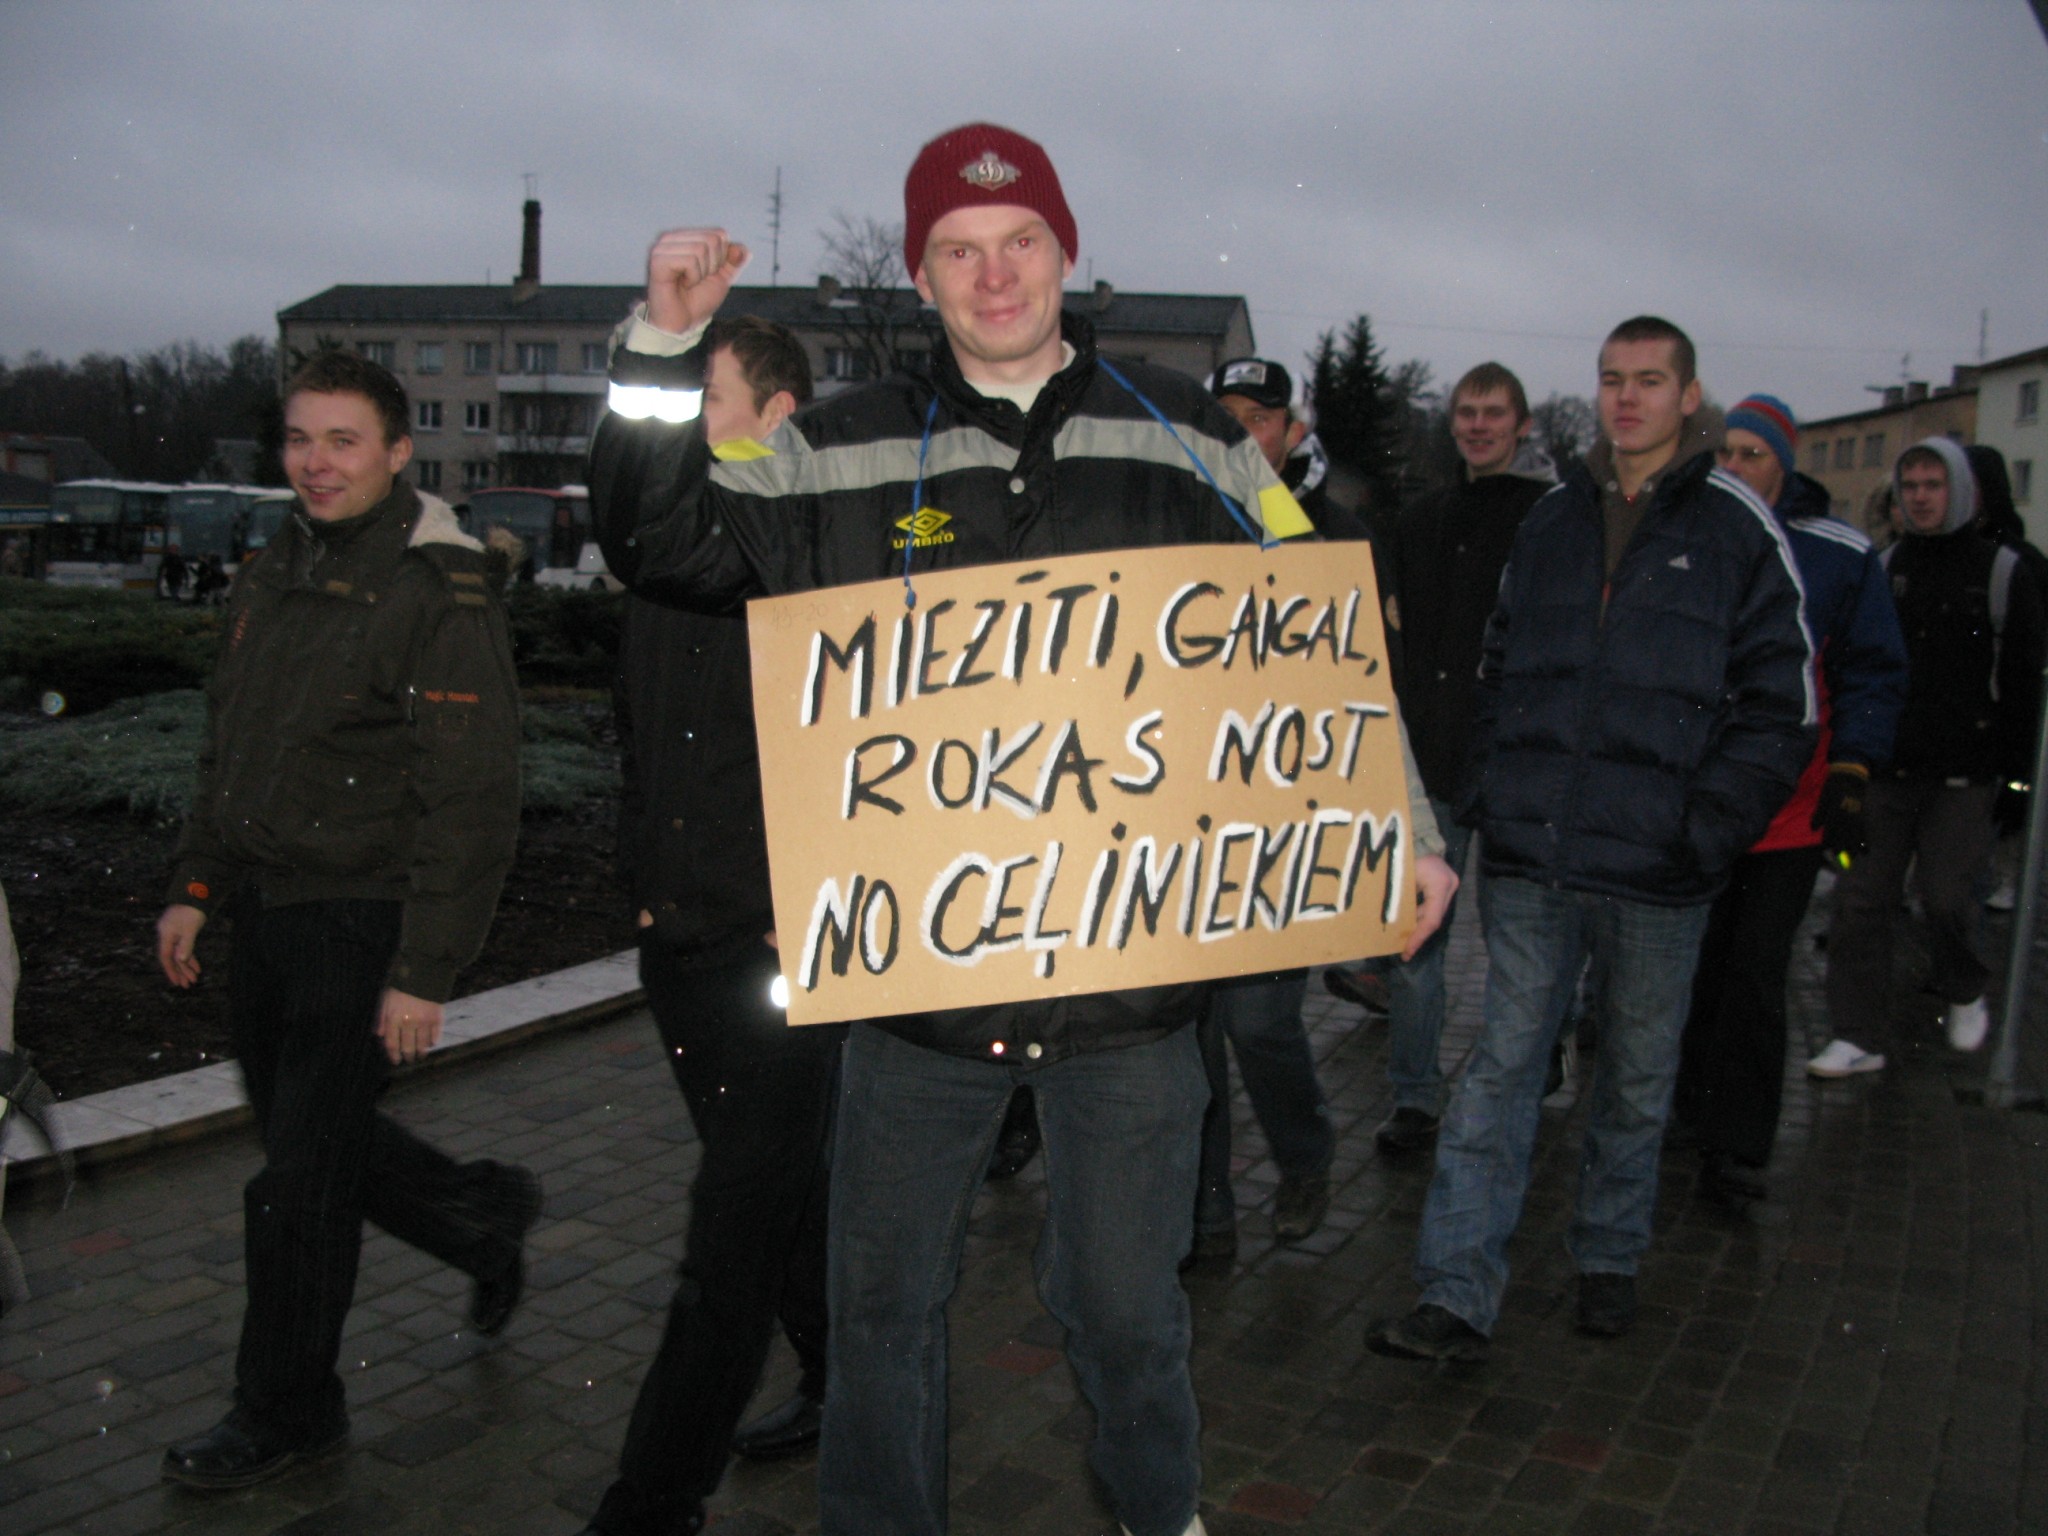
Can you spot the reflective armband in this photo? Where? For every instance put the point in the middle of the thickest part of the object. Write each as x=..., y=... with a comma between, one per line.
x=637, y=402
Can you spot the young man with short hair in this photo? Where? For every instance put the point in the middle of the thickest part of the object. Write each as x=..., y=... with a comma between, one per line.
x=1014, y=391
x=1440, y=566
x=354, y=817
x=1973, y=626
x=1732, y=1072
x=693, y=854
x=1645, y=704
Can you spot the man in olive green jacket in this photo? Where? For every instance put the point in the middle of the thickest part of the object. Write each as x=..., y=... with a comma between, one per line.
x=355, y=814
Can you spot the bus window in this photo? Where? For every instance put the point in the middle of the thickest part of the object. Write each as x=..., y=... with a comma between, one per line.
x=554, y=525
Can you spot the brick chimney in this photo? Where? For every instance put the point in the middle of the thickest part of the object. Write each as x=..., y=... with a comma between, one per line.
x=527, y=284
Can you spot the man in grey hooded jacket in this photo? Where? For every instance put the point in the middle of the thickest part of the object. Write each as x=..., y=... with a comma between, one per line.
x=1974, y=651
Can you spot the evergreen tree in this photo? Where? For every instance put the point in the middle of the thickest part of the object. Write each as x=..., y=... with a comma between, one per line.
x=1363, y=411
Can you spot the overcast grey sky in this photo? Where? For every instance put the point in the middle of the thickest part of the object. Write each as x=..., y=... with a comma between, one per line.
x=1812, y=187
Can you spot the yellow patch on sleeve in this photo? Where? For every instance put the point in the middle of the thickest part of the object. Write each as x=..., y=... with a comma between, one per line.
x=738, y=450
x=1281, y=513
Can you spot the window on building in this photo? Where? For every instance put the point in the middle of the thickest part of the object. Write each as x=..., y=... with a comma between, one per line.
x=847, y=363
x=2030, y=399
x=427, y=474
x=536, y=357
x=1818, y=459
x=382, y=353
x=1845, y=453
x=476, y=416
x=595, y=359
x=476, y=357
x=476, y=474
x=558, y=416
x=426, y=415
x=2022, y=481
x=1873, y=450
x=429, y=357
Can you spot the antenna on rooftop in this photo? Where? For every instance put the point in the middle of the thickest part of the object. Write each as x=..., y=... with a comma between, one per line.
x=775, y=231
x=1983, y=335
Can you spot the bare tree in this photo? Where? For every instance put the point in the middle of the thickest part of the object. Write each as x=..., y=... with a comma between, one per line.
x=1565, y=428
x=871, y=306
x=156, y=415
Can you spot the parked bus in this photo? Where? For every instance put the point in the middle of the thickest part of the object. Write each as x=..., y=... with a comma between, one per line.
x=215, y=526
x=106, y=533
x=555, y=527
x=265, y=515
x=222, y=520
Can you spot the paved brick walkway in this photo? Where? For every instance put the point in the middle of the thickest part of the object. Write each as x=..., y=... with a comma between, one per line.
x=1855, y=1356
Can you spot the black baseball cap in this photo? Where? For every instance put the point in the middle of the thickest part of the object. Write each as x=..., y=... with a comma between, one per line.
x=1256, y=379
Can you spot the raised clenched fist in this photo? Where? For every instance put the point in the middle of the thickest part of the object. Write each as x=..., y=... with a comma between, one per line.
x=689, y=273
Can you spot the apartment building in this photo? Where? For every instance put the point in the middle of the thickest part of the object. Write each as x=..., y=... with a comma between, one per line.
x=508, y=380
x=2009, y=418
x=1852, y=455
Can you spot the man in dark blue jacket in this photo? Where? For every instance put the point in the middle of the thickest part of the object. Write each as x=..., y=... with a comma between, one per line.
x=1645, y=704
x=1731, y=1079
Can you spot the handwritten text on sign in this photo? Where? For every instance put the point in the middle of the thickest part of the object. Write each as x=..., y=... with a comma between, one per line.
x=1080, y=774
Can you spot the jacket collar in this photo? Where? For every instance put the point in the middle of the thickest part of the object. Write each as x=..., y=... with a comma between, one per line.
x=370, y=542
x=1679, y=478
x=999, y=418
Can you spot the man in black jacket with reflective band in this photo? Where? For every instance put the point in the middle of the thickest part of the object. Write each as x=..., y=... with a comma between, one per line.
x=693, y=854
x=1645, y=706
x=1027, y=445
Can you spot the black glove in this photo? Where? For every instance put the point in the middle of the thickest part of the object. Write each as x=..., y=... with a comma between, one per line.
x=1838, y=816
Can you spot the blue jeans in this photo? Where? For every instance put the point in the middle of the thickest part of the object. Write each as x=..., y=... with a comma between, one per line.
x=1261, y=1017
x=1534, y=936
x=1415, y=1015
x=915, y=1131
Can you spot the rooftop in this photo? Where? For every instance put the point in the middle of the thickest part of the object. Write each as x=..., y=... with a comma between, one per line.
x=400, y=304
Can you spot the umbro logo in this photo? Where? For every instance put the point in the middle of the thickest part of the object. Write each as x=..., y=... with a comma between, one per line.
x=926, y=528
x=1679, y=563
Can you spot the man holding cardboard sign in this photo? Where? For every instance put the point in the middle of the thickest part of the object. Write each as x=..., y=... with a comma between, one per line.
x=1022, y=444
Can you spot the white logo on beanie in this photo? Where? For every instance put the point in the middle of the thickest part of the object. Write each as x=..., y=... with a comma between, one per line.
x=989, y=172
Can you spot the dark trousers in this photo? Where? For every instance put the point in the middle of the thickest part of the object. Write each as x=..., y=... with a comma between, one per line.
x=1948, y=828
x=1731, y=1073
x=1261, y=1018
x=760, y=1095
x=306, y=983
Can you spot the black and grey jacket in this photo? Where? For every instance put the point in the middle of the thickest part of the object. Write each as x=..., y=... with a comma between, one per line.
x=1087, y=468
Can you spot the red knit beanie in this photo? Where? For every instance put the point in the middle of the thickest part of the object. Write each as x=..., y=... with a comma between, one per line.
x=981, y=165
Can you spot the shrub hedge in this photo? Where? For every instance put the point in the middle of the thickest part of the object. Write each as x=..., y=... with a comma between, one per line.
x=136, y=758
x=94, y=647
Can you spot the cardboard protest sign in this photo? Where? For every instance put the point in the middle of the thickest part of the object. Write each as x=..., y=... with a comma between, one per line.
x=1078, y=774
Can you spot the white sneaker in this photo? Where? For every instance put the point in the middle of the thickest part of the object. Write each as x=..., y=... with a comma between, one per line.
x=1841, y=1059
x=1968, y=1024
x=2005, y=897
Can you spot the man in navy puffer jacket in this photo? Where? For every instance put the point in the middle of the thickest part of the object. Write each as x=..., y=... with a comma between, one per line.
x=1645, y=705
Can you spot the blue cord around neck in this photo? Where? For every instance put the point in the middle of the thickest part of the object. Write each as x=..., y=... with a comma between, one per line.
x=1237, y=513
